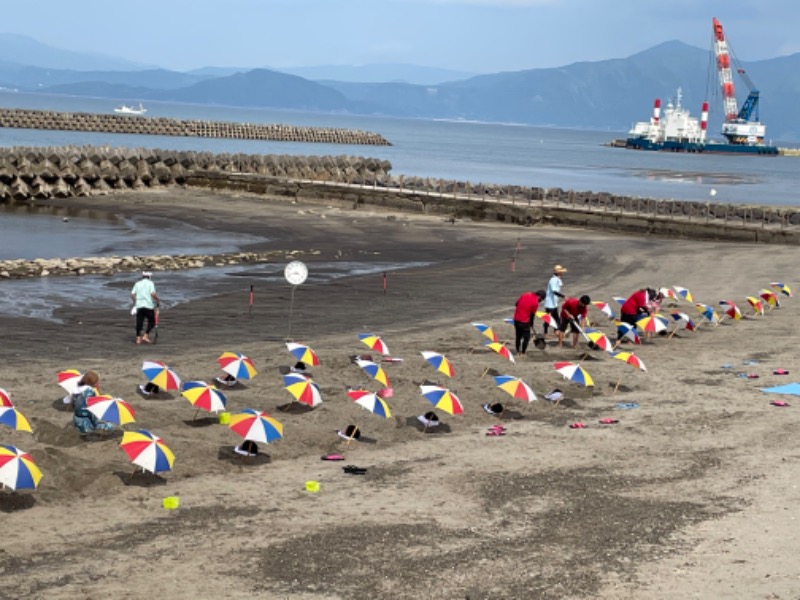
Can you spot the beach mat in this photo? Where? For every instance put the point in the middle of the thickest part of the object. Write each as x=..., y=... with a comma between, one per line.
x=792, y=389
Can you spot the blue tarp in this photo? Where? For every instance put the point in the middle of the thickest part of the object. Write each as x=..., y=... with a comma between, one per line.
x=790, y=388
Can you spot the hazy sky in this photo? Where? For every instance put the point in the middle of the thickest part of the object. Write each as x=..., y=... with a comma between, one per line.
x=469, y=35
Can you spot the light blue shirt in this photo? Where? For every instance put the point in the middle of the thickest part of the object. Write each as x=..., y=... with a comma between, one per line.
x=143, y=291
x=553, y=287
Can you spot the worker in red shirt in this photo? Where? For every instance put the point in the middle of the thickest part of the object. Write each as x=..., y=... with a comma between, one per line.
x=573, y=313
x=639, y=304
x=526, y=307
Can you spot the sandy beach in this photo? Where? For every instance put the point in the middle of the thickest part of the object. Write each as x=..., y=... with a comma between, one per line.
x=691, y=494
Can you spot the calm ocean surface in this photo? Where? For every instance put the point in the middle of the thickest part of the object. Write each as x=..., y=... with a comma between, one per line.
x=476, y=152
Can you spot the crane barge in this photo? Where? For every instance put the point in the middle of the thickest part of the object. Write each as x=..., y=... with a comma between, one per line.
x=678, y=131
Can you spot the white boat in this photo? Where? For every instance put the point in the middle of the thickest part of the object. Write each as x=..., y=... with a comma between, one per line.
x=124, y=109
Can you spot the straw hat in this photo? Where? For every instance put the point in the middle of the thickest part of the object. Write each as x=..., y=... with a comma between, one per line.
x=559, y=269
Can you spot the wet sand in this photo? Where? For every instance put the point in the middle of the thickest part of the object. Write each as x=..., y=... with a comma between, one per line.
x=691, y=494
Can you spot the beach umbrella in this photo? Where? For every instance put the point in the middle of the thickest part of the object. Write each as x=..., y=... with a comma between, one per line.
x=730, y=310
x=161, y=375
x=11, y=417
x=374, y=342
x=147, y=450
x=629, y=358
x=756, y=304
x=442, y=398
x=683, y=293
x=439, y=362
x=256, y=426
x=68, y=379
x=374, y=370
x=708, y=312
x=599, y=339
x=770, y=298
x=605, y=308
x=501, y=350
x=782, y=288
x=371, y=401
x=487, y=331
x=619, y=299
x=302, y=389
x=5, y=398
x=574, y=373
x=17, y=469
x=652, y=324
x=682, y=321
x=546, y=318
x=668, y=293
x=111, y=410
x=237, y=365
x=203, y=396
x=627, y=331
x=515, y=387
x=303, y=353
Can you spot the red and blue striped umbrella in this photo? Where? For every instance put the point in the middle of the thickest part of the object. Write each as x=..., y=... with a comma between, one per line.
x=17, y=469
x=574, y=373
x=204, y=396
x=627, y=331
x=237, y=364
x=11, y=417
x=683, y=320
x=303, y=353
x=605, y=308
x=68, y=379
x=730, y=309
x=147, y=450
x=442, y=398
x=515, y=387
x=5, y=398
x=683, y=293
x=501, y=350
x=256, y=426
x=374, y=342
x=374, y=370
x=302, y=388
x=782, y=288
x=439, y=362
x=487, y=331
x=371, y=401
x=111, y=410
x=161, y=375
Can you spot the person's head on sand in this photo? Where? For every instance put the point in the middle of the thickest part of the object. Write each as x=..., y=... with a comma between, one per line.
x=90, y=378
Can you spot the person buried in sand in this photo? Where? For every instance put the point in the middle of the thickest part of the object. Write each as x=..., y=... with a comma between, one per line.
x=573, y=313
x=526, y=307
x=83, y=420
x=145, y=301
x=552, y=294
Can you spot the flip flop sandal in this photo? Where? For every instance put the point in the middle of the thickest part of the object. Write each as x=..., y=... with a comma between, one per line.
x=779, y=403
x=333, y=457
x=780, y=372
x=354, y=470
x=498, y=427
x=753, y=376
x=609, y=421
x=495, y=433
x=578, y=425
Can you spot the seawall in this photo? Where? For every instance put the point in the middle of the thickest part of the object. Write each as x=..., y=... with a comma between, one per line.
x=28, y=174
x=111, y=123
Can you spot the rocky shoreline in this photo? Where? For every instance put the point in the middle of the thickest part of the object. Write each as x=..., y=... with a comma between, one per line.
x=108, y=265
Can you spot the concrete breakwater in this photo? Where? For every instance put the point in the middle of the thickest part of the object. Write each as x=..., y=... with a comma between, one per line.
x=41, y=173
x=107, y=265
x=63, y=121
x=355, y=182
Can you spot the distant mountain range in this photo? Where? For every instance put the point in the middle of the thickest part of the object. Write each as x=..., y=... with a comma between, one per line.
x=609, y=94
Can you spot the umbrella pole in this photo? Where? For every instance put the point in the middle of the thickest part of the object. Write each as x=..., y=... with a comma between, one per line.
x=291, y=311
x=674, y=331
x=195, y=415
x=616, y=387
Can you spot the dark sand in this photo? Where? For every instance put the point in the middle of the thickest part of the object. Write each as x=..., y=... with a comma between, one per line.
x=690, y=495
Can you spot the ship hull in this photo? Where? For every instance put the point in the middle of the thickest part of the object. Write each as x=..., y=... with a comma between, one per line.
x=699, y=148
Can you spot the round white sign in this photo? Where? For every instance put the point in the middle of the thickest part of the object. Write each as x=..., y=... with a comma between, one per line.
x=296, y=272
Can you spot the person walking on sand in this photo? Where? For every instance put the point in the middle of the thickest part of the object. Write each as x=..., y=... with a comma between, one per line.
x=552, y=294
x=526, y=307
x=145, y=301
x=573, y=313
